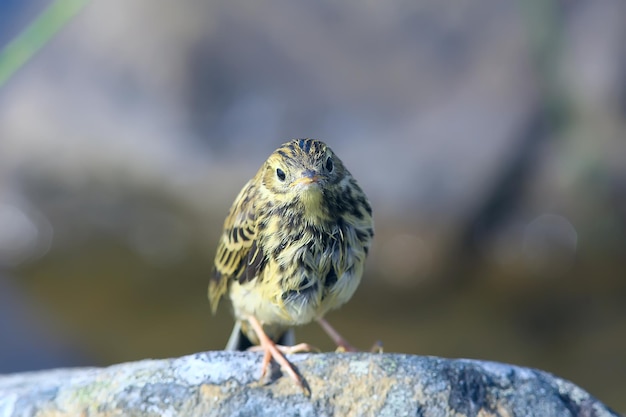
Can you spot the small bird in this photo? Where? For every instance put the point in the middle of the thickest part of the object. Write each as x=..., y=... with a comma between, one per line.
x=293, y=247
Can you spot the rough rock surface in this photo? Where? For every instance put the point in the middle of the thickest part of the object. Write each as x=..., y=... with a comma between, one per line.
x=225, y=384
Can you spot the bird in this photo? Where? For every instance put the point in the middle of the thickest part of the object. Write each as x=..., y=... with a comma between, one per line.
x=293, y=247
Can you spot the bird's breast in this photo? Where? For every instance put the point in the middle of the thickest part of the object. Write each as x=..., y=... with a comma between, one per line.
x=315, y=269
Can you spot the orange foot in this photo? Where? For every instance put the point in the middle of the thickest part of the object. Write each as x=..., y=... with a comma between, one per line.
x=272, y=350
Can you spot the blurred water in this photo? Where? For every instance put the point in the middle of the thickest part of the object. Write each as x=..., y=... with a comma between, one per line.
x=32, y=338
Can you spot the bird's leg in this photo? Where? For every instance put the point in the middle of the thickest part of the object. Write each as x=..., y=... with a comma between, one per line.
x=272, y=351
x=299, y=348
x=288, y=350
x=267, y=357
x=342, y=344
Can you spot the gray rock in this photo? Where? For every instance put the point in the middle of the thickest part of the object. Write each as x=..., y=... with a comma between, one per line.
x=343, y=384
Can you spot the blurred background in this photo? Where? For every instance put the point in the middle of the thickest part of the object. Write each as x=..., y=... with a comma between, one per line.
x=488, y=135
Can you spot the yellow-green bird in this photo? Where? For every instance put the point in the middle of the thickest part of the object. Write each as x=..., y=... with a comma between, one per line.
x=293, y=247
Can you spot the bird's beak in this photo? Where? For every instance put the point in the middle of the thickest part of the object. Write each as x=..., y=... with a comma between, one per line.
x=308, y=177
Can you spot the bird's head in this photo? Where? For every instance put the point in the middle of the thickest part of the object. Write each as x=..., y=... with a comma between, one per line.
x=303, y=170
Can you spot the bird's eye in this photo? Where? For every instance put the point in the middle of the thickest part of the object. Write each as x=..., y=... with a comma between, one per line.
x=329, y=164
x=280, y=174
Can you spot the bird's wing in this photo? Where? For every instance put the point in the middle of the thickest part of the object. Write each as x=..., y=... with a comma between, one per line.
x=237, y=257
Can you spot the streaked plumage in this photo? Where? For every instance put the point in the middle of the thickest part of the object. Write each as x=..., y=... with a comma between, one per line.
x=294, y=242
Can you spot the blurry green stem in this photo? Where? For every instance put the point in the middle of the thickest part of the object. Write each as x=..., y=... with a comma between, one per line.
x=544, y=21
x=22, y=48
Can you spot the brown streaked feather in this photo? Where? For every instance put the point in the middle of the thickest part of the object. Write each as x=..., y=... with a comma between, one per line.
x=233, y=258
x=254, y=263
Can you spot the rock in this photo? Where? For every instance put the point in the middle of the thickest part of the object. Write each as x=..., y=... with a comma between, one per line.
x=343, y=384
